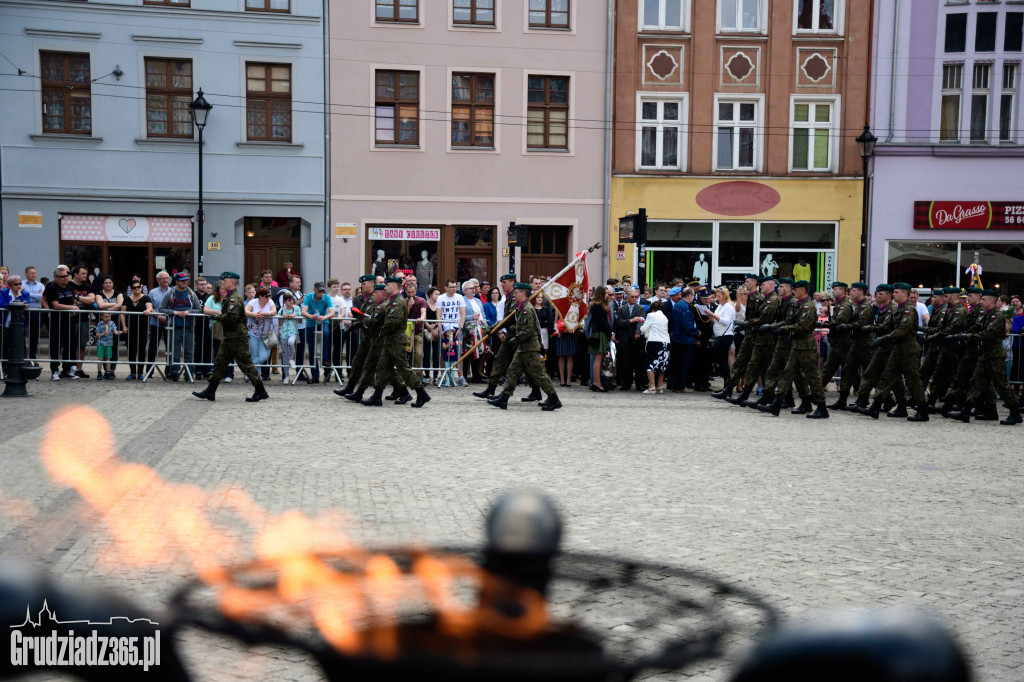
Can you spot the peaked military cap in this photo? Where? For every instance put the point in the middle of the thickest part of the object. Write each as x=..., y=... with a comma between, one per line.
x=974, y=290
x=885, y=287
x=522, y=286
x=841, y=284
x=862, y=286
x=802, y=284
x=392, y=280
x=902, y=286
x=510, y=277
x=786, y=280
x=378, y=287
x=367, y=278
x=227, y=274
x=990, y=292
x=766, y=278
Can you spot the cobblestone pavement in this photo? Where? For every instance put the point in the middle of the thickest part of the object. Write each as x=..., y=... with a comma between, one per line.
x=826, y=515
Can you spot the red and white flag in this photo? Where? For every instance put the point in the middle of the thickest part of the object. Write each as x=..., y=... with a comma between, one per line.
x=568, y=292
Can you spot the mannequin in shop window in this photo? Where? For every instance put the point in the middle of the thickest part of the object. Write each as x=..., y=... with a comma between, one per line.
x=380, y=267
x=769, y=267
x=802, y=270
x=700, y=270
x=425, y=269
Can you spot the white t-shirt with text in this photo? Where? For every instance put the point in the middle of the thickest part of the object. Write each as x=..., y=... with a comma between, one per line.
x=448, y=310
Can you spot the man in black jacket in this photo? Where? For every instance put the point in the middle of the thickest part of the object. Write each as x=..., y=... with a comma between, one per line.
x=630, y=343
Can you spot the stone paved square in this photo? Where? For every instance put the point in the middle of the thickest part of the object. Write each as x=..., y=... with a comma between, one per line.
x=815, y=516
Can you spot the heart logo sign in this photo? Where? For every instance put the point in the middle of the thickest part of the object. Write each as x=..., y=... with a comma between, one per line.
x=126, y=224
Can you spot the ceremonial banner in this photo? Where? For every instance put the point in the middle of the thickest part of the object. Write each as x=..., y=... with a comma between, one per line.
x=568, y=292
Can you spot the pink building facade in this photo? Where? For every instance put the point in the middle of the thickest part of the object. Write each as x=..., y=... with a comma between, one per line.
x=452, y=118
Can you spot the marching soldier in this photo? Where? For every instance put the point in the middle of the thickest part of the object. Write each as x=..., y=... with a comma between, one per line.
x=990, y=369
x=393, y=364
x=235, y=345
x=374, y=344
x=902, y=364
x=759, y=335
x=955, y=323
x=859, y=354
x=840, y=332
x=364, y=302
x=499, y=367
x=968, y=353
x=783, y=346
x=884, y=323
x=754, y=302
x=802, y=362
x=933, y=334
x=527, y=355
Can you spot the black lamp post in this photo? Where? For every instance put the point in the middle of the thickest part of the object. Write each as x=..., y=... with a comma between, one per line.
x=866, y=146
x=200, y=109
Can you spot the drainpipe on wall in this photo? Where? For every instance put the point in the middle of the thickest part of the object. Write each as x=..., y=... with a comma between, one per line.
x=609, y=66
x=328, y=229
x=892, y=74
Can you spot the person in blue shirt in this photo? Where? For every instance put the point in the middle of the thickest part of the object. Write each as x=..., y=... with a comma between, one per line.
x=317, y=307
x=683, y=335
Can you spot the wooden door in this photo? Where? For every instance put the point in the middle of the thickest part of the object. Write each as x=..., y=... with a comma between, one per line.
x=256, y=261
x=546, y=251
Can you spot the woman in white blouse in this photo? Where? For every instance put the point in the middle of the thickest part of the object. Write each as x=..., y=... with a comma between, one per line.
x=725, y=317
x=655, y=328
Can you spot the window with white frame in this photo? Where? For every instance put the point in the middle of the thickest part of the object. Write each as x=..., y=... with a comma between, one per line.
x=660, y=133
x=665, y=15
x=739, y=15
x=818, y=16
x=813, y=131
x=736, y=123
x=1008, y=103
x=979, y=102
x=949, y=117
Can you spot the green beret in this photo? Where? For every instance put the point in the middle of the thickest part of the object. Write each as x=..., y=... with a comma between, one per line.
x=367, y=278
x=902, y=286
x=227, y=274
x=786, y=280
x=840, y=284
x=392, y=280
x=510, y=277
x=802, y=284
x=953, y=291
x=885, y=287
x=522, y=286
x=990, y=292
x=862, y=286
x=768, y=278
x=378, y=287
x=751, y=275
x=974, y=290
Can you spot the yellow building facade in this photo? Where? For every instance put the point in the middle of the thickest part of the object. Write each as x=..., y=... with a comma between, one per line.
x=716, y=229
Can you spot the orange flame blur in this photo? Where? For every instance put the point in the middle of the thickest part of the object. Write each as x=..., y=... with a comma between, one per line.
x=357, y=609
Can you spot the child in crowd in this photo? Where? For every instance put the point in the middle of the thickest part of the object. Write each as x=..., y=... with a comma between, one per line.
x=450, y=353
x=288, y=333
x=105, y=331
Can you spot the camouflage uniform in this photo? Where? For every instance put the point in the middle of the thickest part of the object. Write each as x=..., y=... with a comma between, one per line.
x=840, y=339
x=802, y=364
x=884, y=323
x=783, y=346
x=503, y=359
x=969, y=354
x=374, y=342
x=527, y=353
x=859, y=355
x=955, y=322
x=761, y=354
x=902, y=365
x=235, y=345
x=990, y=371
x=933, y=336
x=393, y=365
x=755, y=303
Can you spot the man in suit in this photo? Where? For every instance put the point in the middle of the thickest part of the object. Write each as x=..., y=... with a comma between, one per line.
x=630, y=358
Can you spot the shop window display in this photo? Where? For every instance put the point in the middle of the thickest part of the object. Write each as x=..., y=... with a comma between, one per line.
x=1002, y=265
x=735, y=245
x=419, y=258
x=88, y=255
x=668, y=265
x=679, y=234
x=924, y=264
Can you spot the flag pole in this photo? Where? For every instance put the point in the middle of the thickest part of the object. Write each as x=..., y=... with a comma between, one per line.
x=498, y=327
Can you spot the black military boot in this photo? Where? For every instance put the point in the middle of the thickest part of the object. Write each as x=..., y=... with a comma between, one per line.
x=888, y=403
x=986, y=413
x=741, y=398
x=805, y=406
x=356, y=396
x=931, y=407
x=260, y=394
x=787, y=400
x=486, y=393
x=501, y=400
x=820, y=413
x=948, y=408
x=342, y=392
x=876, y=408
x=421, y=397
x=374, y=400
x=860, y=407
x=765, y=400
x=534, y=396
x=208, y=393
x=840, y=403
x=724, y=394
x=403, y=396
x=774, y=407
x=900, y=412
x=1013, y=418
x=963, y=414
x=921, y=416
x=551, y=404
x=395, y=393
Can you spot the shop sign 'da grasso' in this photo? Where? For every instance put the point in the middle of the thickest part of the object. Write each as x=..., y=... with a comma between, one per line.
x=968, y=215
x=414, y=234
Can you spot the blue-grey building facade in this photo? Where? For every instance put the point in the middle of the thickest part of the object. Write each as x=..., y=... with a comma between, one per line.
x=100, y=154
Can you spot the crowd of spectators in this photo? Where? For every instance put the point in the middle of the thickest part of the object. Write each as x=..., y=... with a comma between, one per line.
x=674, y=336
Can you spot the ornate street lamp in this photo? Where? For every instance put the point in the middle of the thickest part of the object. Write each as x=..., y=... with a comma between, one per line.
x=200, y=109
x=866, y=145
